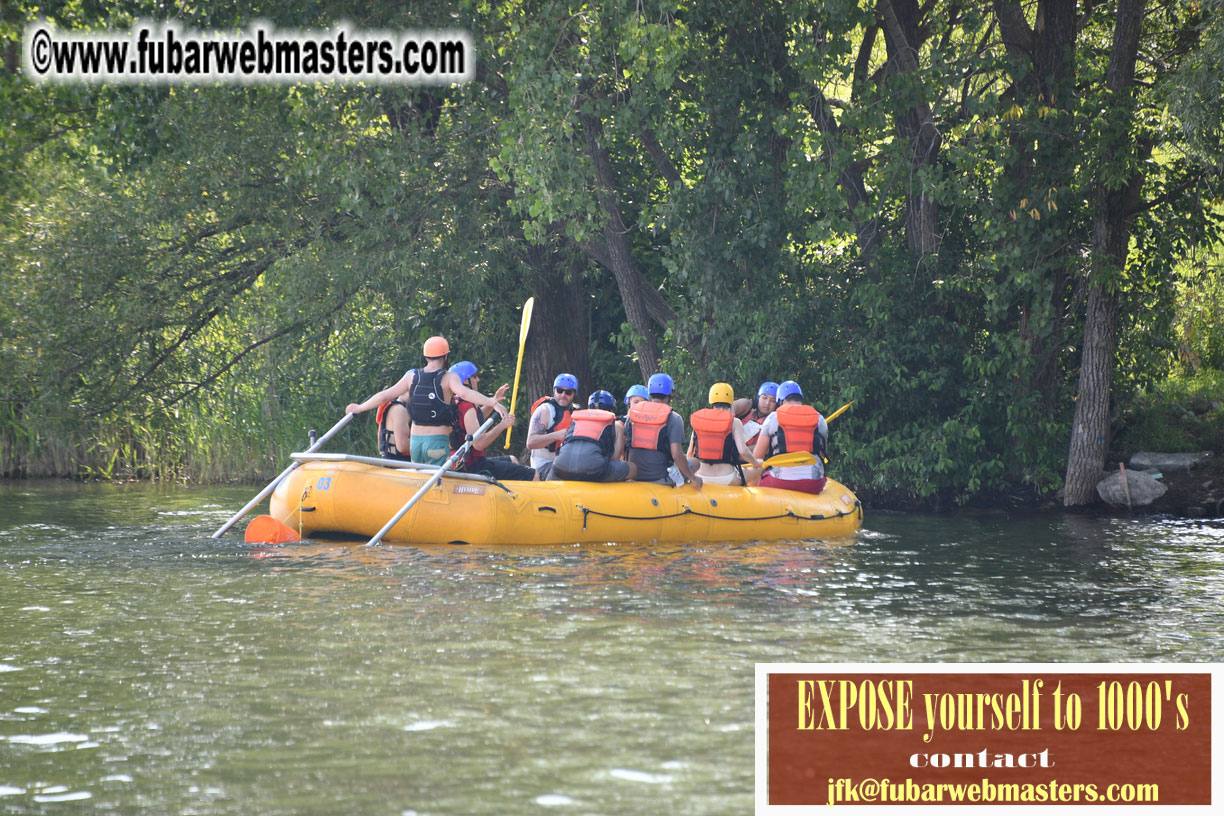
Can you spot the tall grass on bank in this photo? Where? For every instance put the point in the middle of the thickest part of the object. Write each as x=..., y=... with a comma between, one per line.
x=195, y=449
x=242, y=432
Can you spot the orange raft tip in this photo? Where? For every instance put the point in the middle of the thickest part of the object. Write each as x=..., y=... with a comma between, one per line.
x=267, y=530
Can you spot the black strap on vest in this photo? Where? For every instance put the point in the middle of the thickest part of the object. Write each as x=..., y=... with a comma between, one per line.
x=426, y=405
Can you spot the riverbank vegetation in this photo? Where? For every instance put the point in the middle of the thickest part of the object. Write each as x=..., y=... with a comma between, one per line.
x=997, y=229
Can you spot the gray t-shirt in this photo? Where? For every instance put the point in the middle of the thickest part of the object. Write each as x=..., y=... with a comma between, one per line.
x=652, y=464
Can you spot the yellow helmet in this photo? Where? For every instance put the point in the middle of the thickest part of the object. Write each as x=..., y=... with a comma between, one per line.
x=721, y=392
x=436, y=347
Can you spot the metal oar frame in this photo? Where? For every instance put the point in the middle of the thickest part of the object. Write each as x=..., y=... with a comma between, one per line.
x=395, y=464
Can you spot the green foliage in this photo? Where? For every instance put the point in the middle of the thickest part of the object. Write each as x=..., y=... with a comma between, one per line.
x=1180, y=414
x=1194, y=91
x=1199, y=317
x=193, y=277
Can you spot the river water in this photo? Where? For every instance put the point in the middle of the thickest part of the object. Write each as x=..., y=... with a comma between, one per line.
x=147, y=668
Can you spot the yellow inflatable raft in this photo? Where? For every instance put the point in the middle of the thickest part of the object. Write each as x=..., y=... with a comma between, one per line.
x=356, y=495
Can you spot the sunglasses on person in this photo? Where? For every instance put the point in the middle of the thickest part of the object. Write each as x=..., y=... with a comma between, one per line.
x=569, y=391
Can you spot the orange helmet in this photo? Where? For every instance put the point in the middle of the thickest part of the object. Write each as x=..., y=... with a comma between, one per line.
x=436, y=347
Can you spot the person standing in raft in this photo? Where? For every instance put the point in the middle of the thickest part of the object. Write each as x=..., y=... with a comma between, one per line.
x=550, y=418
x=718, y=442
x=468, y=422
x=593, y=444
x=654, y=434
x=430, y=391
x=794, y=427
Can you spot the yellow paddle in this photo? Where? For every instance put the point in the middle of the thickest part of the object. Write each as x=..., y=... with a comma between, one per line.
x=789, y=459
x=839, y=411
x=524, y=328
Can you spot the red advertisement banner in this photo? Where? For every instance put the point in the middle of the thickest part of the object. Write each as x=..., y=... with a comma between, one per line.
x=989, y=738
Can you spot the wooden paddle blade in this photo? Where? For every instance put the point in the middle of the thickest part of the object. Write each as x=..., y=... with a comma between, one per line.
x=790, y=459
x=267, y=530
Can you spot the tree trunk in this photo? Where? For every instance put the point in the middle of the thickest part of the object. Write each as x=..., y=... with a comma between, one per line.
x=558, y=340
x=1048, y=48
x=614, y=253
x=916, y=126
x=1110, y=243
x=1090, y=430
x=849, y=179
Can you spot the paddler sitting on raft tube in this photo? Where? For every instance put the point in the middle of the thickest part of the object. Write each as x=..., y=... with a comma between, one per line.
x=430, y=391
x=636, y=393
x=550, y=417
x=718, y=442
x=467, y=423
x=753, y=413
x=654, y=434
x=593, y=444
x=794, y=427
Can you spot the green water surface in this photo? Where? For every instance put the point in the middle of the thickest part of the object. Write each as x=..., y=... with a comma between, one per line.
x=147, y=668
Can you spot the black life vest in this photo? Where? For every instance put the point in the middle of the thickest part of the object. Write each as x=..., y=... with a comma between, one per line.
x=715, y=436
x=426, y=399
x=386, y=439
x=562, y=417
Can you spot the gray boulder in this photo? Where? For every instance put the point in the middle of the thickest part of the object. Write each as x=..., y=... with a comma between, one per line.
x=1168, y=461
x=1143, y=489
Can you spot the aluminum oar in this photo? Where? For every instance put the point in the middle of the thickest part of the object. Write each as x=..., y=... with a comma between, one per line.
x=272, y=485
x=433, y=480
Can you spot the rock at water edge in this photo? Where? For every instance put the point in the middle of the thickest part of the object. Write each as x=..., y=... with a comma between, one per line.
x=1143, y=489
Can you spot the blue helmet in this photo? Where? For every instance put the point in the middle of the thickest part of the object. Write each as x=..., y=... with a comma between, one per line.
x=601, y=399
x=789, y=388
x=637, y=390
x=566, y=381
x=464, y=369
x=660, y=384
x=770, y=388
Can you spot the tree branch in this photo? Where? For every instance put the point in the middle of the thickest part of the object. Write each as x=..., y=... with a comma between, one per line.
x=662, y=161
x=1014, y=30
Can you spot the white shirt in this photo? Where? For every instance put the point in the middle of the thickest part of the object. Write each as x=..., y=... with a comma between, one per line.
x=796, y=472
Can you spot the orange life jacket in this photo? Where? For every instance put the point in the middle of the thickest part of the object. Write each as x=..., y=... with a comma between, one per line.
x=382, y=410
x=561, y=418
x=589, y=423
x=714, y=435
x=649, y=426
x=386, y=439
x=798, y=426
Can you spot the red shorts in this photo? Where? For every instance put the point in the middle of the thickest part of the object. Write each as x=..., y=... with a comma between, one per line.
x=802, y=485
